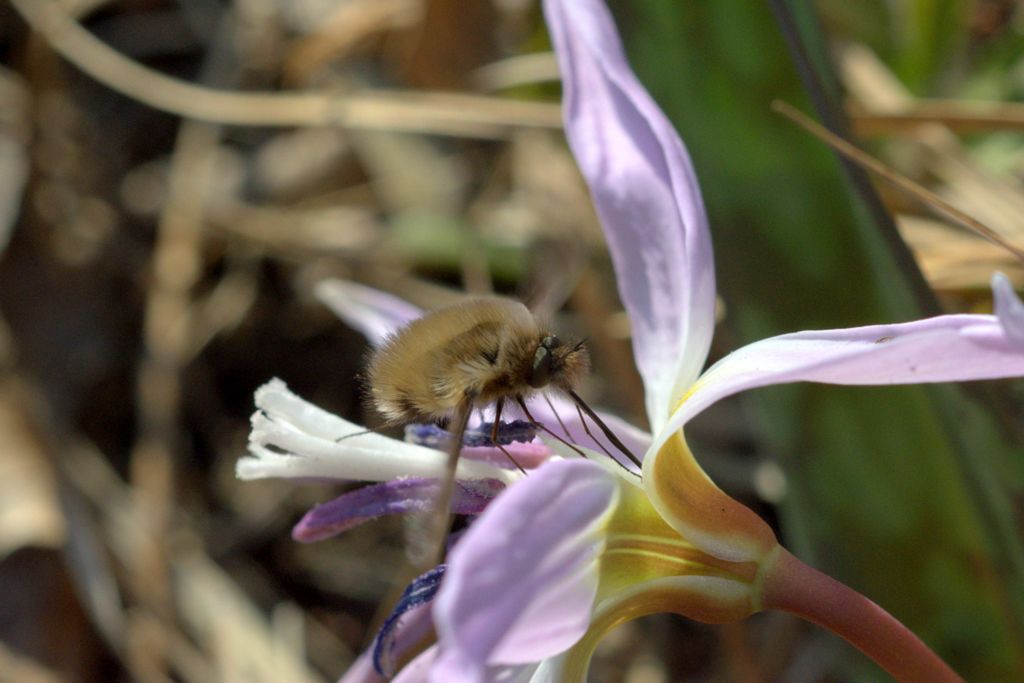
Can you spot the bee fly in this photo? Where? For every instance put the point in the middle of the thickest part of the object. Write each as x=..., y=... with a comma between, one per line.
x=470, y=355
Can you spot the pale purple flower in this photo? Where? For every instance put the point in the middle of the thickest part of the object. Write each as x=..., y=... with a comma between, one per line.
x=647, y=198
x=576, y=546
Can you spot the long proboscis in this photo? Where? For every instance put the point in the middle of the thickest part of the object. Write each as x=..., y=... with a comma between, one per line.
x=545, y=429
x=609, y=434
x=441, y=517
x=583, y=422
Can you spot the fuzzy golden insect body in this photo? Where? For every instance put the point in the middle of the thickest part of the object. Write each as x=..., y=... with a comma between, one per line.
x=474, y=353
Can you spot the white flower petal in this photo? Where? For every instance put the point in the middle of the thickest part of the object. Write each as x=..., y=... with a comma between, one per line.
x=293, y=438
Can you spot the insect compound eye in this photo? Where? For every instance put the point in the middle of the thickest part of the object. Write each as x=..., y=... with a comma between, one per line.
x=540, y=373
x=550, y=342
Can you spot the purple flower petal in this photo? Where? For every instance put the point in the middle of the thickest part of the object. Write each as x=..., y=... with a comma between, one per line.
x=520, y=585
x=416, y=595
x=414, y=626
x=527, y=455
x=948, y=348
x=418, y=670
x=645, y=190
x=401, y=496
x=516, y=431
x=1009, y=309
x=362, y=671
x=374, y=313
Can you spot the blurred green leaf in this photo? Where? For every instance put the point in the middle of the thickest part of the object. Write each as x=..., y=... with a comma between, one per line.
x=920, y=39
x=441, y=242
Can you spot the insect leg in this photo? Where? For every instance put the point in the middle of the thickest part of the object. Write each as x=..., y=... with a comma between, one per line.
x=349, y=436
x=497, y=420
x=540, y=425
x=494, y=435
x=509, y=456
x=554, y=412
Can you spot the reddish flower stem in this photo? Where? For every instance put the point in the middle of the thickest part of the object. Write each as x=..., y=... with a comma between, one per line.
x=792, y=586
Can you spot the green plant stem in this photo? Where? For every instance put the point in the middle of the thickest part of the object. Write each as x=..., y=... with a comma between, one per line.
x=794, y=587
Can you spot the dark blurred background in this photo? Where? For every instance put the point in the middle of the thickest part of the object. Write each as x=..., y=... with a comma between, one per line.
x=175, y=176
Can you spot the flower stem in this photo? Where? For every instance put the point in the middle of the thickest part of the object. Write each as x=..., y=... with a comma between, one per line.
x=794, y=587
